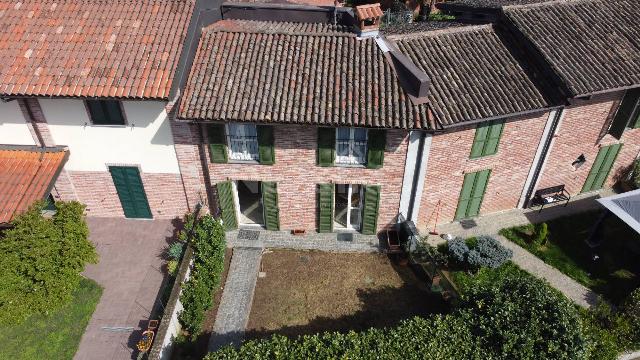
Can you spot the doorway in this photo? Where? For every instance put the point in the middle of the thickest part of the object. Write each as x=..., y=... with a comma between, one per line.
x=348, y=207
x=249, y=200
x=131, y=192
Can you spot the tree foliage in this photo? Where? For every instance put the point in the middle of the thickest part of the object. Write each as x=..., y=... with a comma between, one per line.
x=42, y=260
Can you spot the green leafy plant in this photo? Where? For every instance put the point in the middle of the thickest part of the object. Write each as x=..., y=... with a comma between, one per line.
x=209, y=245
x=541, y=233
x=175, y=251
x=172, y=267
x=42, y=260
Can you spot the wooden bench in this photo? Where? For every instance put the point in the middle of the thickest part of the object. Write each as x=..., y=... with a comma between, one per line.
x=550, y=195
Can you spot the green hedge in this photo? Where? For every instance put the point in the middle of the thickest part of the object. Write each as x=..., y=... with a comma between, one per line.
x=209, y=245
x=510, y=316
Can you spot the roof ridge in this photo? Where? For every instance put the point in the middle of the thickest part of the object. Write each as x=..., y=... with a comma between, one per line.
x=437, y=32
x=235, y=26
x=547, y=3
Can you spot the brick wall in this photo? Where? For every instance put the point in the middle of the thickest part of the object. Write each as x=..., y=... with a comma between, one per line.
x=187, y=144
x=297, y=175
x=449, y=161
x=583, y=131
x=97, y=190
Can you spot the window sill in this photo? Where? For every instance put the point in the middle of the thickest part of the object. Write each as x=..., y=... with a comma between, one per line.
x=357, y=166
x=108, y=125
x=246, y=162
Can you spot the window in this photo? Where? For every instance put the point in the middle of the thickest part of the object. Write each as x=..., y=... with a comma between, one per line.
x=351, y=146
x=487, y=139
x=105, y=112
x=243, y=142
x=627, y=115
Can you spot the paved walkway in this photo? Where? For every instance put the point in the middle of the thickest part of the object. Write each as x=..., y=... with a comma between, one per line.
x=341, y=242
x=130, y=272
x=575, y=291
x=237, y=297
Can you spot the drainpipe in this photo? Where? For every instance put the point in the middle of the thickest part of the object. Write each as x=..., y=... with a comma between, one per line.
x=414, y=174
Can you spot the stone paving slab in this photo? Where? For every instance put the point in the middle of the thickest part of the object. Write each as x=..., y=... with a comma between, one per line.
x=237, y=297
x=310, y=241
x=575, y=291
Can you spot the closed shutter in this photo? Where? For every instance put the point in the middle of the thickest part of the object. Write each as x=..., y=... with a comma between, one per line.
x=601, y=167
x=370, y=212
x=325, y=208
x=270, y=204
x=217, y=144
x=472, y=194
x=227, y=205
x=265, y=145
x=376, y=142
x=487, y=138
x=130, y=192
x=624, y=114
x=326, y=146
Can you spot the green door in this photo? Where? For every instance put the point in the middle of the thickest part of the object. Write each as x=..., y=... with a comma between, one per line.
x=472, y=193
x=270, y=204
x=601, y=167
x=130, y=191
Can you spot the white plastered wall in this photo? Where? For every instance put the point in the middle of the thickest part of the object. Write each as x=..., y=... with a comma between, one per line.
x=13, y=127
x=146, y=140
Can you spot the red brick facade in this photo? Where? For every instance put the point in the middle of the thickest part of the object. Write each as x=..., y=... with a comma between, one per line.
x=97, y=191
x=583, y=131
x=188, y=147
x=297, y=175
x=449, y=161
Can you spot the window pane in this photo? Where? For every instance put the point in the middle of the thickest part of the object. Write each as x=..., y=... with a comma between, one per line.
x=355, y=218
x=343, y=133
x=343, y=148
x=243, y=142
x=355, y=196
x=114, y=113
x=235, y=130
x=359, y=152
x=250, y=130
x=96, y=111
x=360, y=134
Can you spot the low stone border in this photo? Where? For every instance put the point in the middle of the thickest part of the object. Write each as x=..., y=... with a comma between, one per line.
x=169, y=325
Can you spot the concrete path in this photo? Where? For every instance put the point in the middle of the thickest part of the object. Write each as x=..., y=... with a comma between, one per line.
x=341, y=242
x=575, y=291
x=237, y=297
x=130, y=271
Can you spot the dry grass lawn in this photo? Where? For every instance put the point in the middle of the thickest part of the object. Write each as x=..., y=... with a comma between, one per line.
x=306, y=292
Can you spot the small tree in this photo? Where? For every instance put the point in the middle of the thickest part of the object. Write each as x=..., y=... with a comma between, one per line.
x=42, y=260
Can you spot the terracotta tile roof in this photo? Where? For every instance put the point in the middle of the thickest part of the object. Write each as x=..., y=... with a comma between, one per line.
x=591, y=45
x=91, y=48
x=473, y=74
x=419, y=26
x=295, y=73
x=26, y=176
x=486, y=4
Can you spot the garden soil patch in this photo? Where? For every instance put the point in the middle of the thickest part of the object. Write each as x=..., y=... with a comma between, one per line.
x=306, y=292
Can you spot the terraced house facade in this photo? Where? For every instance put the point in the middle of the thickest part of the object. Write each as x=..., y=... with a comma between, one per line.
x=323, y=126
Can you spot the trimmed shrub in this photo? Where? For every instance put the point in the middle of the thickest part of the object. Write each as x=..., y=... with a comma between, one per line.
x=172, y=267
x=488, y=252
x=540, y=234
x=209, y=245
x=42, y=260
x=521, y=317
x=458, y=250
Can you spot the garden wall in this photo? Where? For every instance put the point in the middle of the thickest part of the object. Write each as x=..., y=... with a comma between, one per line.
x=169, y=326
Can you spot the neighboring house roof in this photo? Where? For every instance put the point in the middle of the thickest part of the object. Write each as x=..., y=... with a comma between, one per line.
x=592, y=45
x=27, y=174
x=295, y=73
x=473, y=74
x=419, y=26
x=486, y=4
x=91, y=48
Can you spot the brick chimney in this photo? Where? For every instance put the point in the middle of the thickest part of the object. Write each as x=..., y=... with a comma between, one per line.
x=369, y=18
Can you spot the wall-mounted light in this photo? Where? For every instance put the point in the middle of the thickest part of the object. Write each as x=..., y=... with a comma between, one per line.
x=578, y=162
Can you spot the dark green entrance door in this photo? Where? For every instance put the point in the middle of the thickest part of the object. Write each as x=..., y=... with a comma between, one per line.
x=130, y=191
x=601, y=167
x=472, y=194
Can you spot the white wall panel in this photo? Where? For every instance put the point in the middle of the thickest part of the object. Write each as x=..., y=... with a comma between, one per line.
x=13, y=127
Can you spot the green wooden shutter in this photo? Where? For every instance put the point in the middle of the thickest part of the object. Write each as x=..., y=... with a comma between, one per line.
x=487, y=138
x=472, y=194
x=326, y=146
x=376, y=143
x=227, y=204
x=479, y=140
x=601, y=167
x=493, y=139
x=270, y=204
x=479, y=188
x=624, y=113
x=217, y=143
x=465, y=195
x=325, y=208
x=265, y=145
x=370, y=212
x=131, y=191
